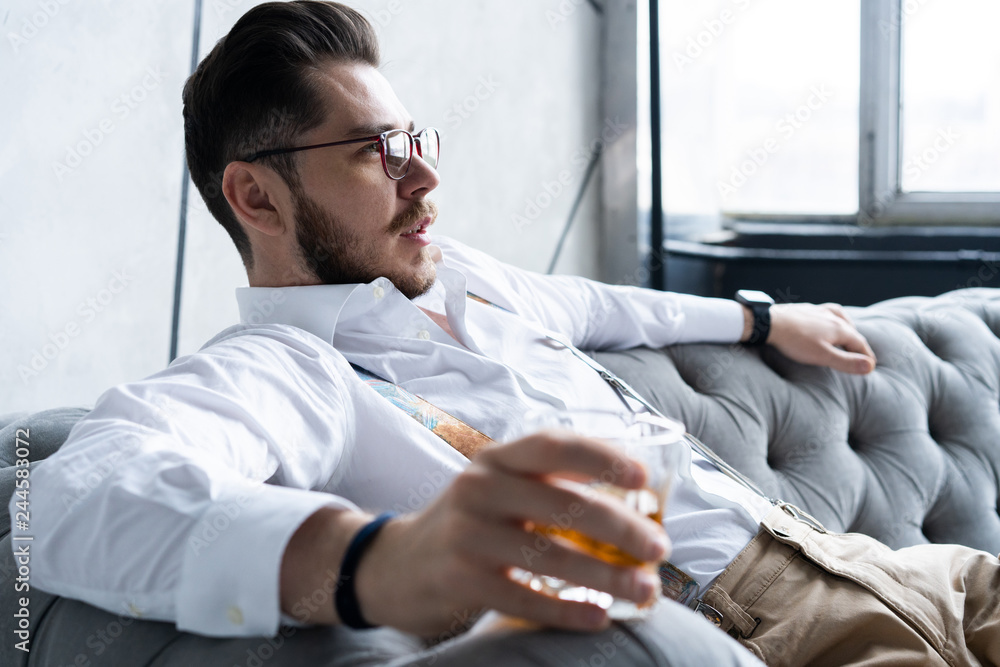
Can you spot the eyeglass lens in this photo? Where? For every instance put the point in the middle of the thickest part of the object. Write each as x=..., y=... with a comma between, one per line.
x=399, y=148
x=430, y=146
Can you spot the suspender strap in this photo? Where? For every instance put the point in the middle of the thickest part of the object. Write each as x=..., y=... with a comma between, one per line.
x=465, y=439
x=624, y=392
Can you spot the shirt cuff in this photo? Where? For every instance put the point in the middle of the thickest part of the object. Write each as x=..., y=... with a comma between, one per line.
x=709, y=320
x=232, y=562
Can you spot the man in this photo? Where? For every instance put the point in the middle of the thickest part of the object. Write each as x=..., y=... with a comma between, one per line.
x=326, y=198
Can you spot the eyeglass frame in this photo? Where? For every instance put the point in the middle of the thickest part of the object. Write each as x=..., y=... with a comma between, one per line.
x=415, y=145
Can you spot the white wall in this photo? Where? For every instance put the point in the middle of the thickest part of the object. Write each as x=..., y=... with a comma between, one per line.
x=90, y=171
x=105, y=78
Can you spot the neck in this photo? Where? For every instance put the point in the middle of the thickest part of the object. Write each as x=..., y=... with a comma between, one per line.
x=441, y=321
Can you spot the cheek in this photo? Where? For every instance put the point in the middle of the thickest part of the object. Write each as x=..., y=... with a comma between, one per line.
x=358, y=200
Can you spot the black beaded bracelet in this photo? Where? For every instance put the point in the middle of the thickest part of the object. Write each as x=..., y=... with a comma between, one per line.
x=345, y=599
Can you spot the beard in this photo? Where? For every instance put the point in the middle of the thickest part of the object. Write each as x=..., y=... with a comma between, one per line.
x=337, y=256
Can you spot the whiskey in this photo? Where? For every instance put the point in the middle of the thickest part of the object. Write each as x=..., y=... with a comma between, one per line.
x=643, y=501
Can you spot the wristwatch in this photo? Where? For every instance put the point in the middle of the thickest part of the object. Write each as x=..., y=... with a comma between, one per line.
x=759, y=304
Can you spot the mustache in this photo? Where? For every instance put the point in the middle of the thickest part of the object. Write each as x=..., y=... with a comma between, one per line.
x=411, y=216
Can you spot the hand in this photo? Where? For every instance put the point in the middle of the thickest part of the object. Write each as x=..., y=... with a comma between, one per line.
x=426, y=569
x=822, y=335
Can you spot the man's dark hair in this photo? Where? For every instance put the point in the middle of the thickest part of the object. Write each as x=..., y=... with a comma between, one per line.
x=256, y=90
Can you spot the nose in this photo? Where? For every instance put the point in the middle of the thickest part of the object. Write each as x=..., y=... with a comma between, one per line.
x=420, y=180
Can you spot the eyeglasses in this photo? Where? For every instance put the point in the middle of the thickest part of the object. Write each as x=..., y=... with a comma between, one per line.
x=395, y=146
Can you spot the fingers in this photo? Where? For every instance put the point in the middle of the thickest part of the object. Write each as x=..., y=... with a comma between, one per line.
x=545, y=553
x=849, y=362
x=479, y=529
x=555, y=452
x=512, y=598
x=497, y=496
x=857, y=356
x=821, y=335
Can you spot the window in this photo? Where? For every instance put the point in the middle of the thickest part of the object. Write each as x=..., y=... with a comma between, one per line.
x=876, y=112
x=930, y=112
x=760, y=106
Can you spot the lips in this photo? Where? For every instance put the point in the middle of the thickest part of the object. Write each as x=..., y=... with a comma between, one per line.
x=416, y=219
x=419, y=228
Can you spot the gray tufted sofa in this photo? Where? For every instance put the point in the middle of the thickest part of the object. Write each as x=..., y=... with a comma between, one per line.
x=908, y=454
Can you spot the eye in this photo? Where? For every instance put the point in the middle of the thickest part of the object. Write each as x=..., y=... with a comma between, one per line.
x=370, y=148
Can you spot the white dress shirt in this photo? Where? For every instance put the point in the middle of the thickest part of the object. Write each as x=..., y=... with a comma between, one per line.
x=175, y=497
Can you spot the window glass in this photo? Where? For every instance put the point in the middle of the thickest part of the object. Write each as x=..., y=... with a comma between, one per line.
x=760, y=106
x=950, y=117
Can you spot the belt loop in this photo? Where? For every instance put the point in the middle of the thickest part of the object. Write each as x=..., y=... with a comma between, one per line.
x=721, y=611
x=805, y=518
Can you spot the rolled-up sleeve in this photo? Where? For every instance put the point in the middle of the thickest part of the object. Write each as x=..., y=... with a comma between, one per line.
x=598, y=316
x=175, y=498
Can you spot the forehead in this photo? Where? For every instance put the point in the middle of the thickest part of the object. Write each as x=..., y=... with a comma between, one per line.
x=358, y=96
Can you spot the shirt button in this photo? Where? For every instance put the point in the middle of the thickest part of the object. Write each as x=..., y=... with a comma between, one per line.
x=378, y=292
x=424, y=334
x=235, y=615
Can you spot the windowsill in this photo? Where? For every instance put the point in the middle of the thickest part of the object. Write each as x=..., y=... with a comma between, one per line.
x=847, y=240
x=842, y=263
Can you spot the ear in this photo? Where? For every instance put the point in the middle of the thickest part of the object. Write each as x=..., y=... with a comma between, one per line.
x=256, y=195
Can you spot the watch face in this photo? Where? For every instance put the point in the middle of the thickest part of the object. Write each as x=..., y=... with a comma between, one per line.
x=754, y=296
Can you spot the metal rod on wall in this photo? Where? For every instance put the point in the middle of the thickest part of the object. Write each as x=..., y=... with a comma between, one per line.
x=175, y=323
x=657, y=221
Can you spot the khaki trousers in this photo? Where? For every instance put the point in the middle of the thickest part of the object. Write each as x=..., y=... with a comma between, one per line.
x=798, y=595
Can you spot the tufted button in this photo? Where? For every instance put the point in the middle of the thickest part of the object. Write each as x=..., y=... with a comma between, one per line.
x=235, y=615
x=424, y=334
x=378, y=292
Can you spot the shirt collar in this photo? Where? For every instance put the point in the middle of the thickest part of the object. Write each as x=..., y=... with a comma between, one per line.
x=319, y=308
